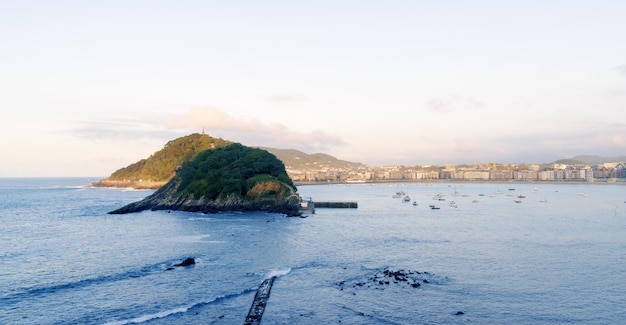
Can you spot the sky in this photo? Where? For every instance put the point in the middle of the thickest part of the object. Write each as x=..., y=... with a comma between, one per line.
x=88, y=87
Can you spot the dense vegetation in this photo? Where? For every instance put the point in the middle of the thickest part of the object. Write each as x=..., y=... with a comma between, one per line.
x=161, y=166
x=234, y=169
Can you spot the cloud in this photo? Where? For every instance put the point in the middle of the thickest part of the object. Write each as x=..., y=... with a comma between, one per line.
x=465, y=145
x=120, y=130
x=287, y=98
x=252, y=132
x=621, y=69
x=453, y=103
x=210, y=118
x=604, y=139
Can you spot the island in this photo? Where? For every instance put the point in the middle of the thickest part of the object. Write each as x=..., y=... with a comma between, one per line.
x=232, y=177
x=156, y=170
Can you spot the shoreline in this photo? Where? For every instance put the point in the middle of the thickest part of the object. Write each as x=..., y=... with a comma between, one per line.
x=452, y=181
x=104, y=183
x=138, y=185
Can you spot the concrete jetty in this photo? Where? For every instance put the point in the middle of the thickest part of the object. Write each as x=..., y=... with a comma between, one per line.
x=349, y=205
x=260, y=300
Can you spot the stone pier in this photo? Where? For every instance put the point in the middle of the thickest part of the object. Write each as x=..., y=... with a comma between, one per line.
x=260, y=300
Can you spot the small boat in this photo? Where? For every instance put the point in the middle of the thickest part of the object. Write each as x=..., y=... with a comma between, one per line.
x=453, y=204
x=434, y=208
x=475, y=201
x=521, y=196
x=307, y=205
x=439, y=197
x=414, y=203
x=406, y=198
x=518, y=201
x=399, y=194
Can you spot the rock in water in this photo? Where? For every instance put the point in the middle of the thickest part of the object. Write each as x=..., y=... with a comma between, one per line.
x=188, y=261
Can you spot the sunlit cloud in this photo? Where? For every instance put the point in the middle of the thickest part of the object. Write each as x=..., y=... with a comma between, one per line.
x=465, y=145
x=121, y=130
x=453, y=103
x=252, y=132
x=287, y=98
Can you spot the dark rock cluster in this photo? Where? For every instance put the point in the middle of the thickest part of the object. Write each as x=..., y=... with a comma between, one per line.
x=187, y=262
x=383, y=278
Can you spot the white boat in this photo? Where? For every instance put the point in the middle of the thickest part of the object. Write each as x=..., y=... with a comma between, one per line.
x=307, y=205
x=406, y=198
x=399, y=194
x=453, y=204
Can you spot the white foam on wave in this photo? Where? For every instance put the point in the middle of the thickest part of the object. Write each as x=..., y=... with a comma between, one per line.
x=64, y=187
x=193, y=239
x=132, y=189
x=277, y=273
x=145, y=318
x=166, y=313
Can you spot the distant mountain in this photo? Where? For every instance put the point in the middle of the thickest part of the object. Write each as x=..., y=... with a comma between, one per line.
x=590, y=160
x=294, y=159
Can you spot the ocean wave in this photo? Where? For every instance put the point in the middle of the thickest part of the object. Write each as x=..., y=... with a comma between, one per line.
x=64, y=187
x=193, y=239
x=277, y=273
x=148, y=317
x=180, y=309
x=43, y=290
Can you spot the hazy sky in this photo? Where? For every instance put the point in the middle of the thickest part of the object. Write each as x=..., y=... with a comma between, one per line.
x=87, y=87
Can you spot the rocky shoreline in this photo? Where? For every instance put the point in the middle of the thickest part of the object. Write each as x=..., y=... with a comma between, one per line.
x=139, y=185
x=168, y=198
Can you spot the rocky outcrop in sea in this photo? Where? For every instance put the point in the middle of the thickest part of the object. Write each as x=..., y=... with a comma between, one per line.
x=169, y=198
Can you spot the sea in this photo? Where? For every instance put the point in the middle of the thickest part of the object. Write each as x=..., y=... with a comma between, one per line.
x=558, y=256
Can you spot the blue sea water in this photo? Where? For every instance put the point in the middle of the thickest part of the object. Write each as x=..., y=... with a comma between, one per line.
x=557, y=257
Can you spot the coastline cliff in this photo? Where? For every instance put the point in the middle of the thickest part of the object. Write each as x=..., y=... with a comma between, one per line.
x=228, y=178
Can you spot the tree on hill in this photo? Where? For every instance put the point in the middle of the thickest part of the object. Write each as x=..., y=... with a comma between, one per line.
x=161, y=166
x=230, y=178
x=234, y=169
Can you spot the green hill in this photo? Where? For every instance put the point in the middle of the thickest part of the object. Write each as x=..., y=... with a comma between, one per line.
x=161, y=166
x=235, y=169
x=154, y=171
x=294, y=159
x=230, y=178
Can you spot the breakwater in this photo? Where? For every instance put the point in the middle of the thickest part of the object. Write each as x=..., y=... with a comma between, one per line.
x=348, y=205
x=260, y=300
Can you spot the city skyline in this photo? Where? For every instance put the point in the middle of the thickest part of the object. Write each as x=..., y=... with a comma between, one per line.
x=88, y=88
